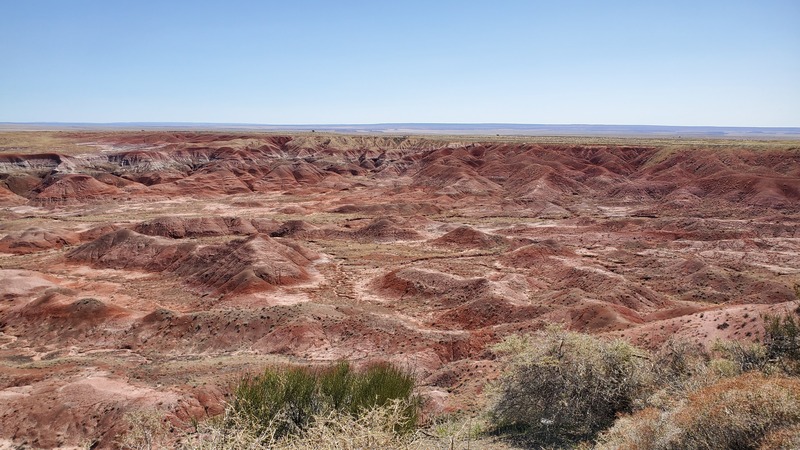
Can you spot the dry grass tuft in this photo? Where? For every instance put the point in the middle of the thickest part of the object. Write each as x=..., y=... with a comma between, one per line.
x=374, y=429
x=147, y=431
x=750, y=411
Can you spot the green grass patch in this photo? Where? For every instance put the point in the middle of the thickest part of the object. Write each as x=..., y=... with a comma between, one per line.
x=286, y=400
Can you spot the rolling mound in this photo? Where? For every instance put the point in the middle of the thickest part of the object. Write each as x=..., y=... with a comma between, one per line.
x=455, y=180
x=536, y=253
x=155, y=177
x=21, y=184
x=378, y=230
x=126, y=249
x=414, y=282
x=182, y=227
x=97, y=231
x=432, y=289
x=468, y=237
x=212, y=183
x=296, y=229
x=391, y=209
x=35, y=240
x=252, y=264
x=486, y=312
x=248, y=265
x=22, y=284
x=289, y=176
x=57, y=310
x=8, y=198
x=74, y=187
x=384, y=229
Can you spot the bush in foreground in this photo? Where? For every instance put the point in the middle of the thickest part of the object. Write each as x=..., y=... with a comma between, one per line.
x=563, y=387
x=782, y=341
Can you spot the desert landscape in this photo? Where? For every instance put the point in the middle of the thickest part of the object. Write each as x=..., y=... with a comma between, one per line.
x=149, y=270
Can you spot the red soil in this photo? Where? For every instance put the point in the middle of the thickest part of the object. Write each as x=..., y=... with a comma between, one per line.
x=158, y=271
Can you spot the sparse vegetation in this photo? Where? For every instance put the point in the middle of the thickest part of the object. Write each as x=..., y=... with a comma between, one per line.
x=560, y=389
x=330, y=408
x=563, y=388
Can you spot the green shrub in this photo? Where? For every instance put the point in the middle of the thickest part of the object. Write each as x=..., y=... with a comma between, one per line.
x=562, y=386
x=285, y=401
x=281, y=398
x=378, y=386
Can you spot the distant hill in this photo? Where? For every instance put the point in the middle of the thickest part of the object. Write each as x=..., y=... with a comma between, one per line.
x=505, y=129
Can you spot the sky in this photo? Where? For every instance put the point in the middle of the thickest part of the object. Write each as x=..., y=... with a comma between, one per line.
x=703, y=63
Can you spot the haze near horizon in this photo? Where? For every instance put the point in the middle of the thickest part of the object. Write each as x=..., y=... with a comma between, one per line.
x=712, y=63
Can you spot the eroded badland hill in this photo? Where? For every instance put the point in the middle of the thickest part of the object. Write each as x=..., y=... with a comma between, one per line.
x=143, y=270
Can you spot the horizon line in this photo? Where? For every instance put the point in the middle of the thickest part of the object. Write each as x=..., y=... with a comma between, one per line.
x=383, y=124
x=516, y=130
x=408, y=124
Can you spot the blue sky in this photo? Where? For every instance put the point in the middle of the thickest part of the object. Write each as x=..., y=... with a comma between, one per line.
x=724, y=63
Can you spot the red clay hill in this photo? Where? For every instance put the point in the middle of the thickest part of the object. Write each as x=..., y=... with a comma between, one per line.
x=150, y=270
